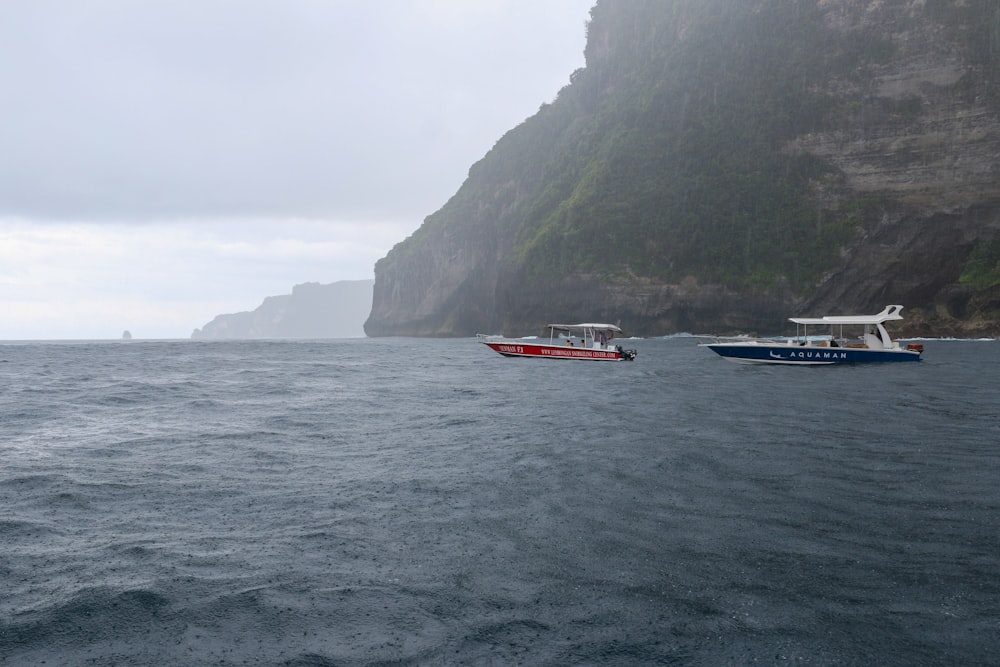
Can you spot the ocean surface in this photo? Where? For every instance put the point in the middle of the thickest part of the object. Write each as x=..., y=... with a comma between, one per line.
x=429, y=502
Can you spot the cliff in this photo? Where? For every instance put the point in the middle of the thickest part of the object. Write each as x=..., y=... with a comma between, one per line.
x=312, y=310
x=718, y=166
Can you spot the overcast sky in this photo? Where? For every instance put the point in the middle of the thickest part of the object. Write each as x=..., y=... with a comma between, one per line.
x=166, y=161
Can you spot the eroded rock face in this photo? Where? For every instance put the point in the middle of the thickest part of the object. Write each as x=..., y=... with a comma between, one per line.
x=446, y=288
x=916, y=260
x=922, y=128
x=916, y=136
x=922, y=138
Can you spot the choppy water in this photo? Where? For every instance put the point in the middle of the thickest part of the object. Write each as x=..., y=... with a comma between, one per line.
x=414, y=502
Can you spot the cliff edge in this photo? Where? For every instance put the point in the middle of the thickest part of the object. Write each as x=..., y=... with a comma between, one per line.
x=718, y=167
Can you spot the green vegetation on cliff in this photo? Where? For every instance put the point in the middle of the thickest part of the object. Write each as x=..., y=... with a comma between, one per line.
x=673, y=162
x=982, y=271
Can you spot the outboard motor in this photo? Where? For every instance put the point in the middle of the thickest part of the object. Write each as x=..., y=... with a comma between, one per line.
x=627, y=355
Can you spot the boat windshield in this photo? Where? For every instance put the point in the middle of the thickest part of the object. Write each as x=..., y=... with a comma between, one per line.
x=592, y=331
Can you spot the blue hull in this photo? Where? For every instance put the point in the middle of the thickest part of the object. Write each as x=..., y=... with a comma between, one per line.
x=807, y=355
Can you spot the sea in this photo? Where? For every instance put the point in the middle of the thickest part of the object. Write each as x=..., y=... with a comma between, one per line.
x=428, y=502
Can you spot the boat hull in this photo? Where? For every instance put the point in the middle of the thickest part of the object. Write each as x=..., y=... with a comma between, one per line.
x=807, y=355
x=543, y=351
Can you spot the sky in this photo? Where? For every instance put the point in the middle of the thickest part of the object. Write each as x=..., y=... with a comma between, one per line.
x=166, y=161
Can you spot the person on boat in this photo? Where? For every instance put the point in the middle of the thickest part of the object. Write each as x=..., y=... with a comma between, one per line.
x=833, y=342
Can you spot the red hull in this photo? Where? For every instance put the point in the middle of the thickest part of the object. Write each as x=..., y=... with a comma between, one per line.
x=519, y=349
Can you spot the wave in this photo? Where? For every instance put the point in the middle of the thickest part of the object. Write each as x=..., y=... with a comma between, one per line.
x=949, y=338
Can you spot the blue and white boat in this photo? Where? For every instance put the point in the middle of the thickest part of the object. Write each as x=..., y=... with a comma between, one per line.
x=873, y=344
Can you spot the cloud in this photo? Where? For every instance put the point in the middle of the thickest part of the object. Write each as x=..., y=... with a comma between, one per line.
x=164, y=162
x=163, y=279
x=125, y=110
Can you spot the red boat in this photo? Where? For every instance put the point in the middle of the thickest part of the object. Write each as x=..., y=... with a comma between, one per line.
x=590, y=341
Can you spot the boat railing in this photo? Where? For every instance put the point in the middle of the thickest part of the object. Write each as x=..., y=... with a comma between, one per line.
x=816, y=341
x=752, y=340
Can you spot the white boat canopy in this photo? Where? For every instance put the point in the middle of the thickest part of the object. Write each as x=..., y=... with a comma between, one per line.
x=890, y=313
x=586, y=325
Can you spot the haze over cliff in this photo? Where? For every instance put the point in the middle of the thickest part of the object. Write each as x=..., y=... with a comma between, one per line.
x=312, y=310
x=720, y=165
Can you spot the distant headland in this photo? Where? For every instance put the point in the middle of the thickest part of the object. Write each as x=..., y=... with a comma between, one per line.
x=312, y=310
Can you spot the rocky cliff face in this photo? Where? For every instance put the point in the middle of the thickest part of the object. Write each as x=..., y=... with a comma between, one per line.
x=914, y=137
x=312, y=310
x=921, y=139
